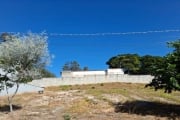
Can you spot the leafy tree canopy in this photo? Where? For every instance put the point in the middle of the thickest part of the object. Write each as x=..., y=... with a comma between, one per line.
x=73, y=66
x=47, y=74
x=129, y=62
x=167, y=74
x=149, y=64
x=166, y=70
x=5, y=37
x=22, y=57
x=135, y=64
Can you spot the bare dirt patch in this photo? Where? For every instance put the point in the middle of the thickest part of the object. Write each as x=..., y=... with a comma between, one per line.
x=113, y=101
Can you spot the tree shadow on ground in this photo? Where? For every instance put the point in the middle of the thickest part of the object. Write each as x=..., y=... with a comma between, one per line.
x=5, y=108
x=172, y=111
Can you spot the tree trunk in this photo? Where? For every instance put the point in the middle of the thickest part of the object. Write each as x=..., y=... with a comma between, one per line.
x=10, y=104
x=10, y=98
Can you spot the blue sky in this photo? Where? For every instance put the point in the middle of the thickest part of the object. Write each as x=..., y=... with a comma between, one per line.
x=94, y=16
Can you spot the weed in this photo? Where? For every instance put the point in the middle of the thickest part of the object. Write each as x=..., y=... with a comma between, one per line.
x=79, y=106
x=65, y=87
x=92, y=87
x=67, y=117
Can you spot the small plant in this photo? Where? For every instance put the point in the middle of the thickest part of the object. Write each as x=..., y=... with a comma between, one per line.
x=92, y=87
x=101, y=84
x=67, y=117
x=65, y=87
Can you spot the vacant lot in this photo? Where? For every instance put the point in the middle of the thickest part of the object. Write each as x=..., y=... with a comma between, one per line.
x=114, y=101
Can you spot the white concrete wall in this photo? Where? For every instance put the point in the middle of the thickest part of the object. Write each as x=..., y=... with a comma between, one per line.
x=114, y=71
x=22, y=88
x=46, y=82
x=36, y=85
x=85, y=73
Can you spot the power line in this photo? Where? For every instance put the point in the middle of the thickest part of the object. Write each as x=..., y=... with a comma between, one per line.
x=106, y=33
x=113, y=33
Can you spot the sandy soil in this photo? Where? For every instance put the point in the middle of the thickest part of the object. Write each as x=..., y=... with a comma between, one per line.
x=77, y=103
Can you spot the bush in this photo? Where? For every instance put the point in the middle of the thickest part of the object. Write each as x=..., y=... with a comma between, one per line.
x=67, y=117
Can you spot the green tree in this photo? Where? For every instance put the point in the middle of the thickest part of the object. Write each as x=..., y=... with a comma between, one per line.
x=47, y=74
x=21, y=60
x=85, y=68
x=66, y=67
x=129, y=62
x=148, y=63
x=167, y=74
x=71, y=66
x=75, y=66
x=5, y=37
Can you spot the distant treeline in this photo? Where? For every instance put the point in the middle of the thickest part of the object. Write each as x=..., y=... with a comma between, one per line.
x=166, y=69
x=135, y=64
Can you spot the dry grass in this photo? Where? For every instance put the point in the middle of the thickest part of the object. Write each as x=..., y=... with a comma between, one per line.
x=125, y=89
x=111, y=101
x=79, y=106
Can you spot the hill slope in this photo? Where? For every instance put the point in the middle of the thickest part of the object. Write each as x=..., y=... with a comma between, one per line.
x=112, y=101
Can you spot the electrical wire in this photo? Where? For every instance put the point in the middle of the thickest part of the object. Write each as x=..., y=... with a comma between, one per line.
x=113, y=33
x=105, y=34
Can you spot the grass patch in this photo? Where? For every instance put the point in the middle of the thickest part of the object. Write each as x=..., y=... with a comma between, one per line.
x=79, y=106
x=67, y=117
x=98, y=101
x=60, y=88
x=125, y=89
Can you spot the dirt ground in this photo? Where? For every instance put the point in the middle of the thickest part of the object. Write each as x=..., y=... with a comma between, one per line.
x=112, y=101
